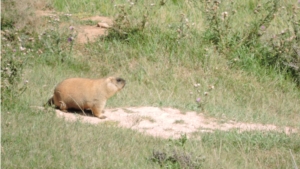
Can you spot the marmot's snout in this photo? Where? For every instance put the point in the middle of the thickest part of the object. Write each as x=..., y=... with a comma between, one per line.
x=121, y=81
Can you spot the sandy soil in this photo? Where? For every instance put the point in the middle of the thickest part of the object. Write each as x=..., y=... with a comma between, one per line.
x=167, y=122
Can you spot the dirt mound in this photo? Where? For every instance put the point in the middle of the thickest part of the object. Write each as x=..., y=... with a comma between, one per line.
x=167, y=122
x=86, y=33
x=90, y=33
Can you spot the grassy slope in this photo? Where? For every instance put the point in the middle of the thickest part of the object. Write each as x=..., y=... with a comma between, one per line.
x=164, y=74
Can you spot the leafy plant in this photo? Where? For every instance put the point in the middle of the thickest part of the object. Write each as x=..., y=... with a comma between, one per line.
x=12, y=65
x=125, y=24
x=175, y=158
x=58, y=43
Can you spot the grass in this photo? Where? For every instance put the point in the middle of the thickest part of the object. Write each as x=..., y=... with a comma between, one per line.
x=49, y=142
x=161, y=63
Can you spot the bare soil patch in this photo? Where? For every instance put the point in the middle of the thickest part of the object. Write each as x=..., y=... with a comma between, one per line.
x=90, y=33
x=168, y=122
x=40, y=13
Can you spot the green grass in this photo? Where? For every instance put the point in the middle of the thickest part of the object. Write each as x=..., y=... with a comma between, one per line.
x=161, y=68
x=39, y=139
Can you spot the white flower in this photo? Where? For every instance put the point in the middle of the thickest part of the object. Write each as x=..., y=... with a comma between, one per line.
x=22, y=48
x=197, y=85
x=224, y=15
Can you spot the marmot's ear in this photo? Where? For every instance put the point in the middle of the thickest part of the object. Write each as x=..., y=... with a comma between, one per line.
x=109, y=79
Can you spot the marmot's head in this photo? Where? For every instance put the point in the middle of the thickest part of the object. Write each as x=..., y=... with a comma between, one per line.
x=114, y=85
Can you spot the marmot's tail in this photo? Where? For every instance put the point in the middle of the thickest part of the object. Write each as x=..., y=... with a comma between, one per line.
x=50, y=102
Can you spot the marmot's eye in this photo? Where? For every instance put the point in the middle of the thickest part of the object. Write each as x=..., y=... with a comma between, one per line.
x=119, y=80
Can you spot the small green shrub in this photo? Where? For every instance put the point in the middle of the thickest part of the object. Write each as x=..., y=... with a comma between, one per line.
x=14, y=60
x=125, y=24
x=175, y=157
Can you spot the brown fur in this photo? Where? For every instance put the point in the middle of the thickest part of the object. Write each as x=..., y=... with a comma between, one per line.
x=83, y=94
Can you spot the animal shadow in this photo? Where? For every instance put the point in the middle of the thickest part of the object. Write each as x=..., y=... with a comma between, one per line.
x=88, y=113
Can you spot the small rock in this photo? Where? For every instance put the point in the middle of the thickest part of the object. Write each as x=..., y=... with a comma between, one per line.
x=103, y=25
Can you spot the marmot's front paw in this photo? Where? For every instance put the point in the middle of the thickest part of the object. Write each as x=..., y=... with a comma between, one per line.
x=102, y=117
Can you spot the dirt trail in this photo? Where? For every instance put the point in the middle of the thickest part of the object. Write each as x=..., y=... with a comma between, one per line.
x=168, y=122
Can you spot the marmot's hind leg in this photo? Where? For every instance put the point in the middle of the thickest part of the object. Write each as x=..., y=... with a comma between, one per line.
x=63, y=106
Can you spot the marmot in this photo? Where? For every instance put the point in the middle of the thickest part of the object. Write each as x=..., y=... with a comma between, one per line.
x=86, y=94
